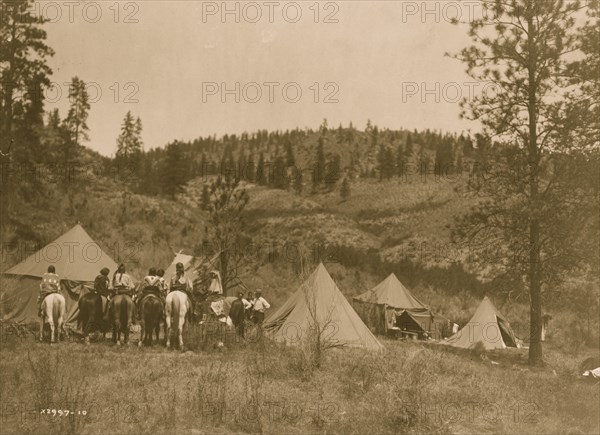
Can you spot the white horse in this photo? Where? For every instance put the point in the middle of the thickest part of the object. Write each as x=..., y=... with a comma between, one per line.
x=177, y=306
x=53, y=314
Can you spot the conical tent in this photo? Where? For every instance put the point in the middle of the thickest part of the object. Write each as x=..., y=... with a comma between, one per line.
x=319, y=301
x=77, y=260
x=487, y=328
x=380, y=306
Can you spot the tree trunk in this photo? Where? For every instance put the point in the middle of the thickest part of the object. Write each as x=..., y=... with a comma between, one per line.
x=224, y=269
x=535, y=291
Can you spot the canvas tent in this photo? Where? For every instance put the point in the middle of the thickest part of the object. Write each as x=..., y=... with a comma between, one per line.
x=77, y=259
x=487, y=328
x=319, y=300
x=390, y=305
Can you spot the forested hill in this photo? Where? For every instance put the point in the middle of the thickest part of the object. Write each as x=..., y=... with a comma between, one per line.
x=303, y=158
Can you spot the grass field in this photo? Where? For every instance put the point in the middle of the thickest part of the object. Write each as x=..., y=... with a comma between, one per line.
x=260, y=387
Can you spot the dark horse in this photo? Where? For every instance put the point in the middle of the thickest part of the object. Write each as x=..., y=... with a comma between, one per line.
x=151, y=313
x=122, y=317
x=91, y=315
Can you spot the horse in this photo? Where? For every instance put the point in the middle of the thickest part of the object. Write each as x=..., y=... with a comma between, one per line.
x=53, y=314
x=91, y=315
x=122, y=316
x=151, y=313
x=178, y=305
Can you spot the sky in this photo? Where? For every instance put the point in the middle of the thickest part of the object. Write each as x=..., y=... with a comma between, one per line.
x=191, y=68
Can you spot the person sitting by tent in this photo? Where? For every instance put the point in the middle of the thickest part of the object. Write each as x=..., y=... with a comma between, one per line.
x=237, y=313
x=50, y=284
x=150, y=286
x=215, y=286
x=260, y=306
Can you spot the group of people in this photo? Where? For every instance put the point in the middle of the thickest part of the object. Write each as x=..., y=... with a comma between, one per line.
x=250, y=307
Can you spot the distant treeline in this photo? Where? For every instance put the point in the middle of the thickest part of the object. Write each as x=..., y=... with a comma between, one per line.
x=304, y=159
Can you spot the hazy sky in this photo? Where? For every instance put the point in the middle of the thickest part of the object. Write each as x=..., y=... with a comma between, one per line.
x=382, y=60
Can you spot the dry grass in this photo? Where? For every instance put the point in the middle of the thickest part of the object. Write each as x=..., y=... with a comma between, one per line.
x=261, y=387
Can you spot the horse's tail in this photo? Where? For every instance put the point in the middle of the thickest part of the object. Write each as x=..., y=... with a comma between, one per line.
x=58, y=309
x=123, y=315
x=175, y=309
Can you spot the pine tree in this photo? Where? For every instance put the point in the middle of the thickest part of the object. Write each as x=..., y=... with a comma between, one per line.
x=298, y=185
x=400, y=161
x=205, y=199
x=536, y=203
x=76, y=121
x=129, y=142
x=319, y=166
x=408, y=150
x=345, y=189
x=261, y=175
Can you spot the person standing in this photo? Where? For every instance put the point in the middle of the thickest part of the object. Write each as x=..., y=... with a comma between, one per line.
x=237, y=313
x=50, y=284
x=249, y=309
x=260, y=306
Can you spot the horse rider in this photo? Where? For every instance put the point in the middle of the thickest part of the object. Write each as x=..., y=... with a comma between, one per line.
x=162, y=284
x=121, y=283
x=50, y=284
x=181, y=282
x=102, y=284
x=150, y=286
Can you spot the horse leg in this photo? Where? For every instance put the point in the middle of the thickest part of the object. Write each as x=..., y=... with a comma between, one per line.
x=142, y=332
x=130, y=314
x=168, y=332
x=42, y=329
x=86, y=331
x=51, y=323
x=60, y=326
x=118, y=332
x=180, y=331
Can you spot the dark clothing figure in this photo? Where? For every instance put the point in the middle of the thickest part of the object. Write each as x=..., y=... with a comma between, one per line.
x=150, y=286
x=259, y=317
x=101, y=284
x=237, y=313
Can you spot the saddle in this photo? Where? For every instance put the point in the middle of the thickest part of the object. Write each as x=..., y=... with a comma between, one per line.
x=123, y=291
